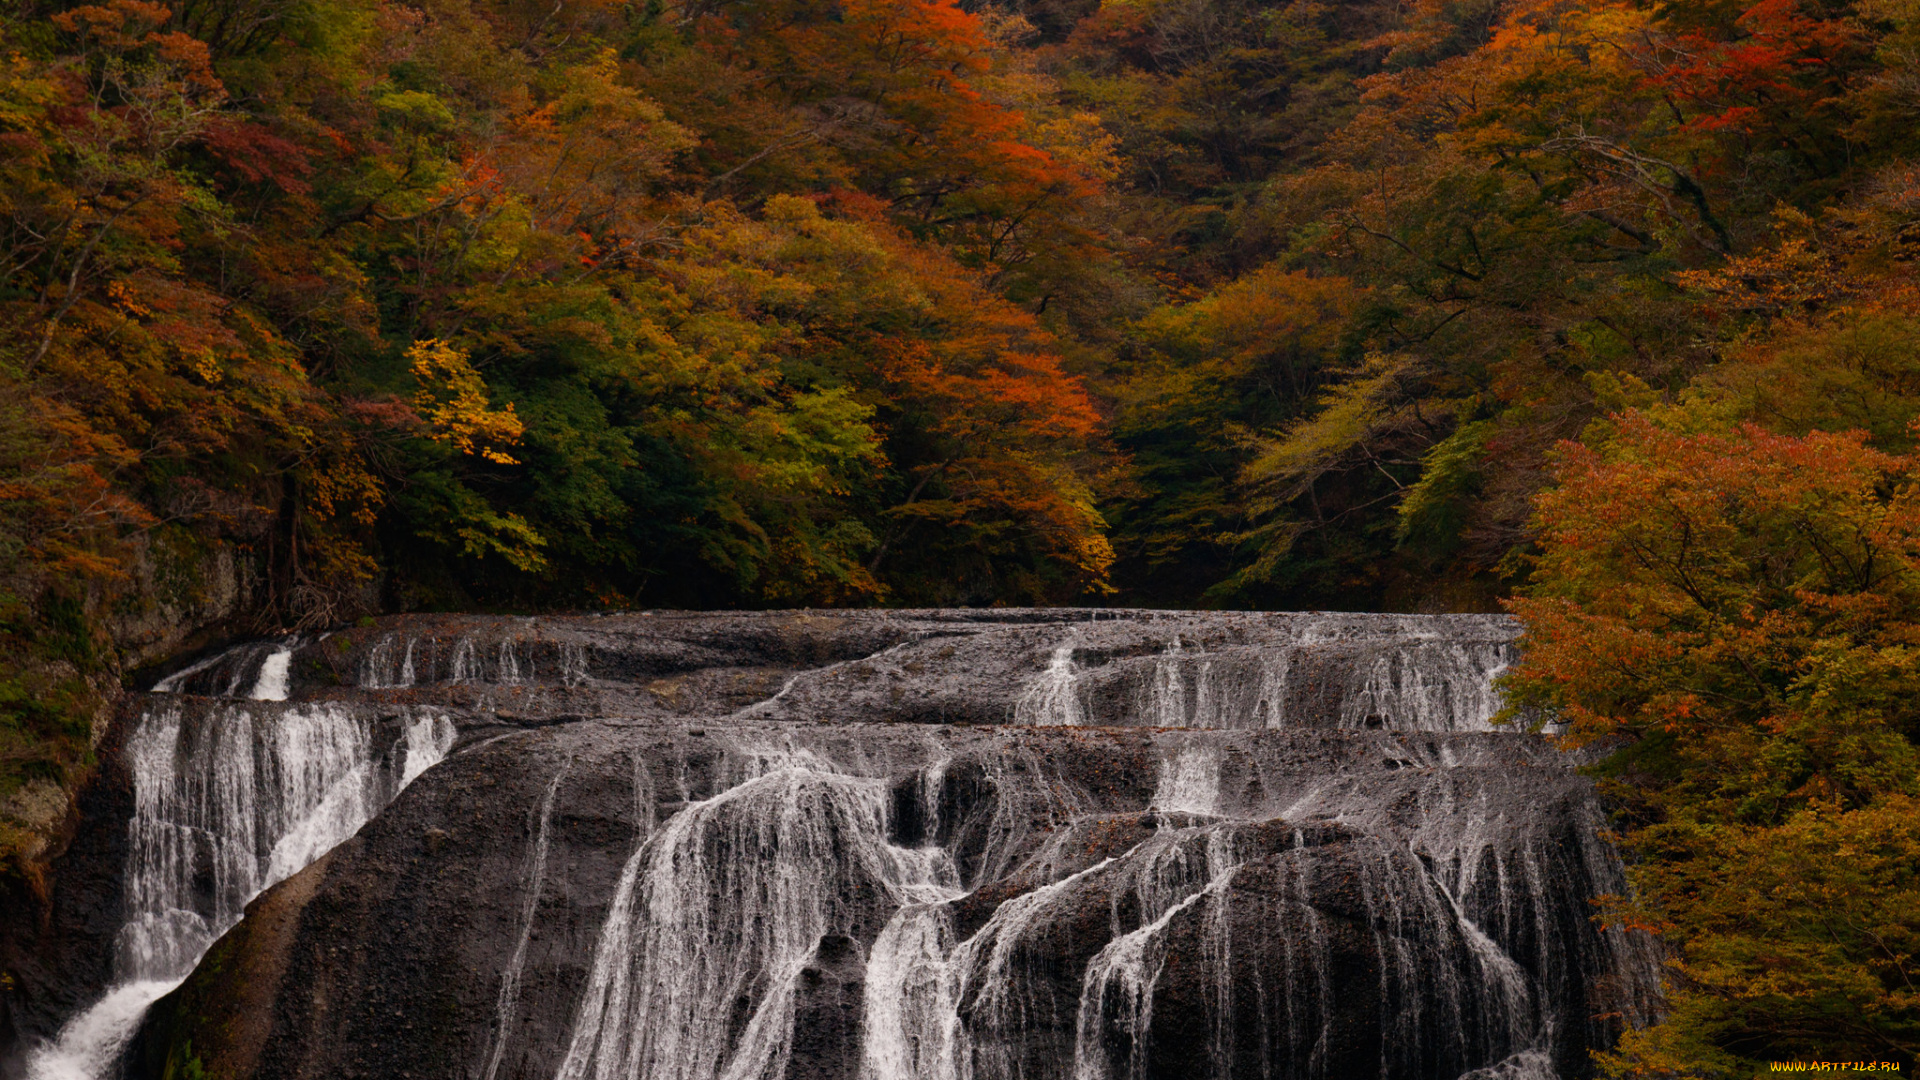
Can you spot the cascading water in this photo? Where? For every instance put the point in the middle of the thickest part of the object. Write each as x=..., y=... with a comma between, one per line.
x=1208, y=847
x=1189, y=781
x=694, y=978
x=1053, y=699
x=1431, y=686
x=947, y=1009
x=1192, y=906
x=229, y=799
x=389, y=664
x=522, y=658
x=276, y=669
x=1383, y=681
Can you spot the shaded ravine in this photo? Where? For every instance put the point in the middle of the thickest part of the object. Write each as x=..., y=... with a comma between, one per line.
x=928, y=845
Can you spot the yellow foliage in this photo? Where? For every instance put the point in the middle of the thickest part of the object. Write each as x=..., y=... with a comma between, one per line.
x=453, y=399
x=1349, y=413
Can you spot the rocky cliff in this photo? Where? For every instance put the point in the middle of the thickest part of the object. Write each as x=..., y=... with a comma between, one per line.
x=840, y=845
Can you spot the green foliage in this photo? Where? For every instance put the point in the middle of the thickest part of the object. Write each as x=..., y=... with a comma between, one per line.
x=1852, y=370
x=1205, y=379
x=1433, y=510
x=184, y=1064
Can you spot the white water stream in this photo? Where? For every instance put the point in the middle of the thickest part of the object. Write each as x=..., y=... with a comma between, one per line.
x=1406, y=682
x=1054, y=698
x=697, y=928
x=228, y=801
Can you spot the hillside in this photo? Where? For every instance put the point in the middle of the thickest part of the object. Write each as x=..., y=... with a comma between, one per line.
x=318, y=310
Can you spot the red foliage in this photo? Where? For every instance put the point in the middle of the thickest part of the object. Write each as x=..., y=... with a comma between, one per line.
x=1776, y=64
x=256, y=155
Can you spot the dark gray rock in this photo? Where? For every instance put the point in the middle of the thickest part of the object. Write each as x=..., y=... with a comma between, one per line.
x=406, y=935
x=846, y=845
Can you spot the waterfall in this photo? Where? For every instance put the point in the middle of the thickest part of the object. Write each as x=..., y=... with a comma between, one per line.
x=1446, y=995
x=1231, y=689
x=229, y=799
x=1119, y=989
x=260, y=671
x=1054, y=698
x=466, y=662
x=1431, y=686
x=717, y=914
x=573, y=664
x=380, y=670
x=1207, y=847
x=523, y=654
x=276, y=671
x=1320, y=672
x=1189, y=781
x=719, y=911
x=509, y=663
x=919, y=977
x=908, y=999
x=1166, y=697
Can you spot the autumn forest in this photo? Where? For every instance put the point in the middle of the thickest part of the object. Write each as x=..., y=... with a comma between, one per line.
x=1603, y=312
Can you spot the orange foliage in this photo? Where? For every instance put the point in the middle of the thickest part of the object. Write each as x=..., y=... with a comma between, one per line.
x=1683, y=574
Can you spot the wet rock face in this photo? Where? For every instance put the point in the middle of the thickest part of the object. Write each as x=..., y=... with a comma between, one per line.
x=928, y=845
x=59, y=963
x=1047, y=667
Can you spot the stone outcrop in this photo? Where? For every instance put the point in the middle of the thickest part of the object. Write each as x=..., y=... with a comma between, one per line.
x=858, y=845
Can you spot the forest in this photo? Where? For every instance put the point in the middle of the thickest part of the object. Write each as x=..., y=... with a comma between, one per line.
x=1603, y=312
